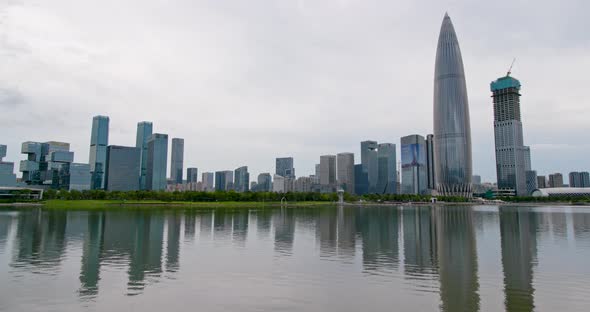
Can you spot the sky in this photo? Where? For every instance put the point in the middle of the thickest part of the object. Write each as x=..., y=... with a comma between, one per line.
x=244, y=82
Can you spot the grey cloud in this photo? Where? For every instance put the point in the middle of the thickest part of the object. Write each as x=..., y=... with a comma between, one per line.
x=11, y=98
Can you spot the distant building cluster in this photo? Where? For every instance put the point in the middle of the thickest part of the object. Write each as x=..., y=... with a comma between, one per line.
x=440, y=163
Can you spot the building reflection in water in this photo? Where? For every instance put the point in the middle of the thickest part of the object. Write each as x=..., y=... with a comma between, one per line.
x=241, y=218
x=518, y=230
x=439, y=243
x=92, y=248
x=283, y=220
x=173, y=240
x=457, y=259
x=326, y=230
x=190, y=223
x=378, y=228
x=420, y=249
x=41, y=240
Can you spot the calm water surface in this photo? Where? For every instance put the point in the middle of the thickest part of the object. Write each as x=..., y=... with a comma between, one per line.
x=483, y=258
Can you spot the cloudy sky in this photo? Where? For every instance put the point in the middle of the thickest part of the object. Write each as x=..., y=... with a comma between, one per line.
x=246, y=81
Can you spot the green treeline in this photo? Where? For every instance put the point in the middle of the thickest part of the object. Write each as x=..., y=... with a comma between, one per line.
x=552, y=199
x=231, y=196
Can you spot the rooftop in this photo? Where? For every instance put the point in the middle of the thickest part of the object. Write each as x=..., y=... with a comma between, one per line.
x=504, y=83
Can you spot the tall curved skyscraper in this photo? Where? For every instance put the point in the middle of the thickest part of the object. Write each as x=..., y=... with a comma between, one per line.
x=452, y=128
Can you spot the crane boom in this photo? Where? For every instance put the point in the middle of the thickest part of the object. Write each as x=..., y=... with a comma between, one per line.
x=510, y=69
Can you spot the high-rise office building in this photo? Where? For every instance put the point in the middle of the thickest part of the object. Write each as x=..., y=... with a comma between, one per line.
x=192, y=175
x=303, y=185
x=123, y=164
x=579, y=179
x=242, y=179
x=541, y=182
x=556, y=180
x=264, y=182
x=386, y=169
x=345, y=171
x=7, y=176
x=531, y=181
x=414, y=171
x=278, y=184
x=430, y=172
x=361, y=180
x=284, y=167
x=177, y=160
x=99, y=140
x=452, y=129
x=50, y=165
x=208, y=180
x=144, y=132
x=512, y=157
x=157, y=160
x=224, y=180
x=476, y=179
x=328, y=173
x=369, y=162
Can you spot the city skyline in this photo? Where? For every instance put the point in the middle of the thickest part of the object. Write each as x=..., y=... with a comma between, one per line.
x=554, y=149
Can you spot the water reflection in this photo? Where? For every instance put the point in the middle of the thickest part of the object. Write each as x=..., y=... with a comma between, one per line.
x=432, y=249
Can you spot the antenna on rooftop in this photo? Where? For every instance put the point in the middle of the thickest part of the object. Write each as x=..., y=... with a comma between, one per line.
x=510, y=69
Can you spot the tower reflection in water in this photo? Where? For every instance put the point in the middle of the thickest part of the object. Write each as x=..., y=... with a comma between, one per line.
x=433, y=248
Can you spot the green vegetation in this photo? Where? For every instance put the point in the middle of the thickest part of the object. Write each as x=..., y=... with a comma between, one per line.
x=148, y=197
x=552, y=199
x=101, y=204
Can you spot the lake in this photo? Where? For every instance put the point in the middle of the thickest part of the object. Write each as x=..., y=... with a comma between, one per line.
x=406, y=258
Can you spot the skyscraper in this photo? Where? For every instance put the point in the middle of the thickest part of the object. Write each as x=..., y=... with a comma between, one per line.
x=7, y=176
x=345, y=170
x=224, y=180
x=386, y=169
x=369, y=162
x=452, y=129
x=361, y=180
x=123, y=164
x=207, y=178
x=511, y=154
x=144, y=132
x=430, y=162
x=264, y=182
x=242, y=179
x=284, y=167
x=157, y=160
x=414, y=173
x=328, y=173
x=579, y=179
x=192, y=175
x=176, y=163
x=556, y=180
x=99, y=140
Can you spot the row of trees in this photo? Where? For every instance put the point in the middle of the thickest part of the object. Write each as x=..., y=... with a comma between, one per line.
x=552, y=199
x=222, y=196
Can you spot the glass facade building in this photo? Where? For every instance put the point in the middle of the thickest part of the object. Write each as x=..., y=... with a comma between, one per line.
x=361, y=180
x=7, y=176
x=430, y=172
x=223, y=180
x=328, y=173
x=123, y=164
x=99, y=140
x=284, y=167
x=386, y=169
x=177, y=161
x=192, y=174
x=242, y=179
x=369, y=162
x=345, y=170
x=156, y=162
x=414, y=171
x=144, y=132
x=264, y=182
x=452, y=128
x=208, y=178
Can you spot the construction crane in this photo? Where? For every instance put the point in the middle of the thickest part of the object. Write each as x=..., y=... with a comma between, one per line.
x=510, y=69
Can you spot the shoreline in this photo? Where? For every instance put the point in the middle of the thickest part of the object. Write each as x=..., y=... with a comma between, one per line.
x=110, y=204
